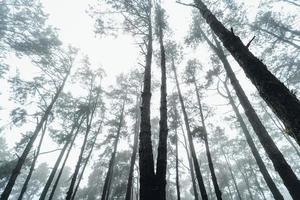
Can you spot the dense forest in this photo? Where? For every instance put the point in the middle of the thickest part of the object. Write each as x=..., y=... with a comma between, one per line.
x=149, y=99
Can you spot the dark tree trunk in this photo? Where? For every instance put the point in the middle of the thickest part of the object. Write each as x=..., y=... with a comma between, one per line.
x=35, y=156
x=134, y=152
x=282, y=101
x=210, y=162
x=191, y=168
x=190, y=139
x=86, y=162
x=177, y=170
x=16, y=171
x=55, y=167
x=231, y=174
x=281, y=166
x=146, y=162
x=161, y=163
x=49, y=181
x=275, y=192
x=109, y=174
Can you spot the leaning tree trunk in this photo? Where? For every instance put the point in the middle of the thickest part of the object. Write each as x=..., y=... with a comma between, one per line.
x=161, y=163
x=129, y=188
x=16, y=171
x=86, y=161
x=36, y=154
x=210, y=162
x=282, y=101
x=231, y=174
x=190, y=139
x=106, y=187
x=256, y=181
x=58, y=160
x=281, y=166
x=146, y=162
x=177, y=170
x=191, y=168
x=273, y=188
x=62, y=167
x=246, y=180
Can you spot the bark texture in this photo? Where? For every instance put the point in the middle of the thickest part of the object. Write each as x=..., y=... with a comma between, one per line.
x=282, y=101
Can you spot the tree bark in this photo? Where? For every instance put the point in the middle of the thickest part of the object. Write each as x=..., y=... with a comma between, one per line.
x=257, y=182
x=161, y=163
x=134, y=152
x=106, y=187
x=281, y=166
x=210, y=162
x=36, y=154
x=190, y=139
x=272, y=186
x=16, y=171
x=282, y=101
x=177, y=170
x=146, y=162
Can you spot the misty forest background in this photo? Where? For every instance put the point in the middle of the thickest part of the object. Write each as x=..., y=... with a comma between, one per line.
x=154, y=99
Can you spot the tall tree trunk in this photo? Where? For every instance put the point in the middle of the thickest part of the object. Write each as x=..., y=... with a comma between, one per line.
x=106, y=187
x=231, y=174
x=281, y=166
x=146, y=162
x=134, y=151
x=273, y=188
x=282, y=101
x=50, y=178
x=86, y=161
x=16, y=171
x=161, y=163
x=191, y=168
x=210, y=162
x=62, y=152
x=36, y=154
x=190, y=139
x=246, y=180
x=177, y=170
x=281, y=128
x=256, y=181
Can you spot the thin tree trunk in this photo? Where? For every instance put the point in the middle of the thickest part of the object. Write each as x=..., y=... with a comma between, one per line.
x=190, y=139
x=177, y=170
x=86, y=161
x=36, y=154
x=191, y=169
x=146, y=162
x=282, y=101
x=272, y=186
x=231, y=174
x=210, y=162
x=62, y=167
x=108, y=178
x=257, y=182
x=16, y=171
x=134, y=152
x=55, y=167
x=246, y=181
x=161, y=163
